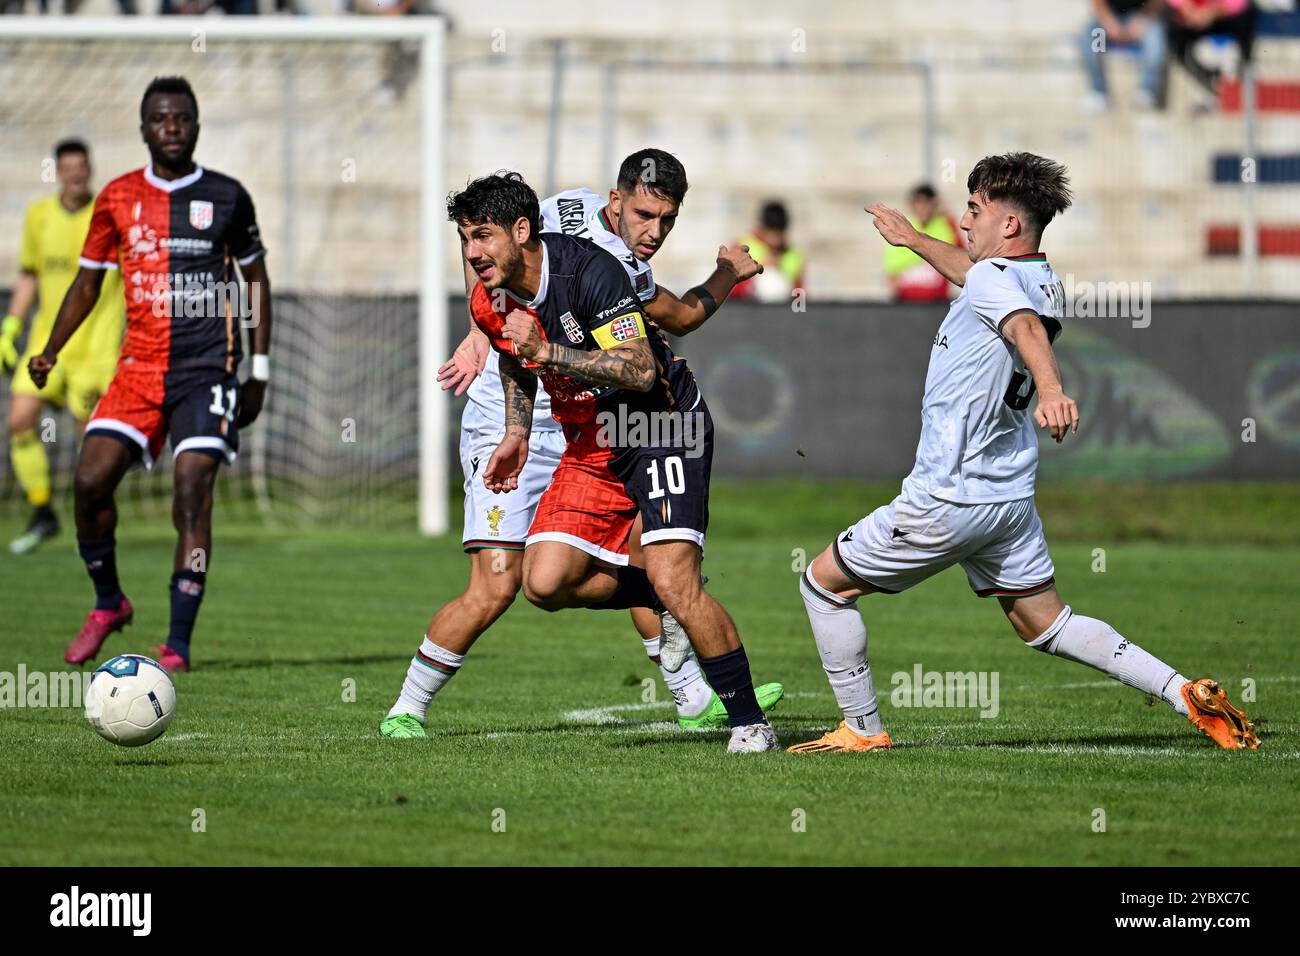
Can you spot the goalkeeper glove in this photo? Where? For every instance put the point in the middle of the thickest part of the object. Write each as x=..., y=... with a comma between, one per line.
x=10, y=329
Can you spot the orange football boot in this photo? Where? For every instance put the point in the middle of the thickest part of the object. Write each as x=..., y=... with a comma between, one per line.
x=842, y=740
x=1212, y=714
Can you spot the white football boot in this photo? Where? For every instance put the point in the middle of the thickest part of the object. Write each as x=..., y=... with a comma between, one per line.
x=674, y=645
x=752, y=739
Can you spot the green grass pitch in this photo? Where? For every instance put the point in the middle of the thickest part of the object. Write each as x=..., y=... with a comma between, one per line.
x=543, y=750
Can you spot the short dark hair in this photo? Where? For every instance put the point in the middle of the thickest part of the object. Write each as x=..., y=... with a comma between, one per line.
x=773, y=215
x=67, y=147
x=1039, y=187
x=924, y=191
x=169, y=84
x=502, y=199
x=658, y=171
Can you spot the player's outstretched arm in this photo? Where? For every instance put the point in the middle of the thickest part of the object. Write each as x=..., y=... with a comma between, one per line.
x=1056, y=410
x=951, y=261
x=684, y=315
x=252, y=393
x=77, y=304
x=470, y=358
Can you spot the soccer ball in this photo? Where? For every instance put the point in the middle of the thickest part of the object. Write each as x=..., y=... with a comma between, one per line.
x=130, y=700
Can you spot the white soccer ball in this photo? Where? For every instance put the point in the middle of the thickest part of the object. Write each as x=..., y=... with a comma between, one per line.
x=130, y=700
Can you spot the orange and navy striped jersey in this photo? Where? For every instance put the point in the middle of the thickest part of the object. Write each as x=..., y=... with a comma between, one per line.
x=177, y=242
x=586, y=301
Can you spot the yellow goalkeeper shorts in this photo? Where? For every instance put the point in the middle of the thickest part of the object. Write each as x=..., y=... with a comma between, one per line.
x=77, y=386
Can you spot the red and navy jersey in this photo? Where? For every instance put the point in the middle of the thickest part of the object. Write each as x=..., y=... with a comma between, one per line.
x=177, y=242
x=586, y=301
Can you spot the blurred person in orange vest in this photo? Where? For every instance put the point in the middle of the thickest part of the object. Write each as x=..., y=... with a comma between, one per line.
x=783, y=264
x=911, y=278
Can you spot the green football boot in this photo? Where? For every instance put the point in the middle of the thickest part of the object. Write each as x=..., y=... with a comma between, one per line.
x=715, y=715
x=402, y=725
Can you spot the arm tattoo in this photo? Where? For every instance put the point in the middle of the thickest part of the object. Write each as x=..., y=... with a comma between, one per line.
x=630, y=366
x=520, y=388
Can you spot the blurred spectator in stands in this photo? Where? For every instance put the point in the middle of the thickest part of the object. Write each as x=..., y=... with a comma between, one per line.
x=782, y=263
x=1136, y=23
x=402, y=58
x=910, y=277
x=1190, y=20
x=127, y=7
x=193, y=8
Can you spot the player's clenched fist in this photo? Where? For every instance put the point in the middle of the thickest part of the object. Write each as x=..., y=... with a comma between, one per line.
x=38, y=367
x=738, y=260
x=506, y=464
x=1057, y=412
x=521, y=329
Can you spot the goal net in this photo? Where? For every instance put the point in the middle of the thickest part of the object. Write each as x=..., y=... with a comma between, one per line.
x=335, y=128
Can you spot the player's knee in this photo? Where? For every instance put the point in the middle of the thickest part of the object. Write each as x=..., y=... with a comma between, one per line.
x=496, y=592
x=547, y=591
x=89, y=486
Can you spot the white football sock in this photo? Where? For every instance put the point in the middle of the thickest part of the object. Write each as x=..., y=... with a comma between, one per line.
x=841, y=638
x=430, y=670
x=1097, y=644
x=691, y=692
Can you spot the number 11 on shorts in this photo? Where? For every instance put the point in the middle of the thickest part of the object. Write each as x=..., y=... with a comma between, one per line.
x=226, y=410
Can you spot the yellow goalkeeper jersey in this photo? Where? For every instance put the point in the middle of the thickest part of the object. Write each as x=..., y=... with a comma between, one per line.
x=51, y=248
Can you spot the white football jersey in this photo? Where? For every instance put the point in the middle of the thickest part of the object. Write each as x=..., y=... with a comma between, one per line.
x=978, y=439
x=581, y=212
x=575, y=212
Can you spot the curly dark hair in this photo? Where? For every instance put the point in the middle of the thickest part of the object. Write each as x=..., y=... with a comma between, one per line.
x=502, y=199
x=1037, y=186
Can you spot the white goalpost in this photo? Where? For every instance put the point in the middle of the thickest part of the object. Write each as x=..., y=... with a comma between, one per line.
x=337, y=127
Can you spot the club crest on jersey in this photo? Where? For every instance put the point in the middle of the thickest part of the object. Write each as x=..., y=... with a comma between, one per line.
x=571, y=328
x=494, y=517
x=625, y=327
x=200, y=214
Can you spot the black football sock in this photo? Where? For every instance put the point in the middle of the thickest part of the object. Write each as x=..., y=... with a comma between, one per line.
x=729, y=677
x=187, y=594
x=633, y=590
x=100, y=556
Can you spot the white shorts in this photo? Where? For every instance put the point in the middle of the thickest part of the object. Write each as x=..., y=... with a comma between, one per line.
x=502, y=520
x=1000, y=546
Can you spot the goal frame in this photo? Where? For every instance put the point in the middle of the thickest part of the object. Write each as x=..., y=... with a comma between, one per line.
x=430, y=32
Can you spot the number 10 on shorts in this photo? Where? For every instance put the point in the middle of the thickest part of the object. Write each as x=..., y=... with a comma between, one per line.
x=673, y=472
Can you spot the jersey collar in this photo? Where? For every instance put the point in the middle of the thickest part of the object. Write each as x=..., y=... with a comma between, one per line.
x=171, y=185
x=604, y=235
x=543, y=285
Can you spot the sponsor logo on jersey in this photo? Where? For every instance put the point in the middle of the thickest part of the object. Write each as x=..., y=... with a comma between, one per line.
x=185, y=244
x=142, y=240
x=571, y=327
x=625, y=327
x=200, y=213
x=625, y=301
x=642, y=282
